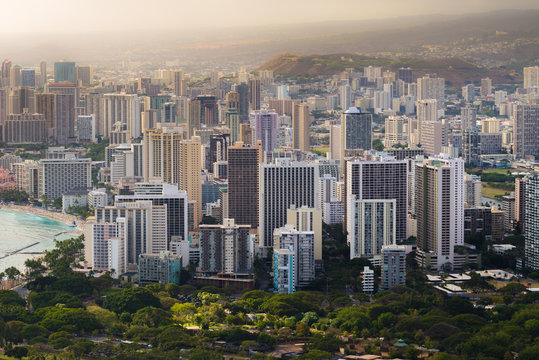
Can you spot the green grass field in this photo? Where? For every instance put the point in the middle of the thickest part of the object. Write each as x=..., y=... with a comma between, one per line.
x=490, y=192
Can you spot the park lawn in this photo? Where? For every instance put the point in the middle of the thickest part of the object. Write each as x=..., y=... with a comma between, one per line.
x=491, y=193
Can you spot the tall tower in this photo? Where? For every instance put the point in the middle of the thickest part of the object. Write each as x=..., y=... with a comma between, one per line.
x=283, y=184
x=526, y=131
x=378, y=177
x=43, y=71
x=531, y=236
x=45, y=104
x=356, y=130
x=431, y=88
x=345, y=96
x=232, y=120
x=64, y=71
x=243, y=162
x=191, y=174
x=264, y=125
x=254, y=94
x=301, y=121
x=439, y=205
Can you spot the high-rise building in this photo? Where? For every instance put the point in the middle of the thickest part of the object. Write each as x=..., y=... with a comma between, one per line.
x=160, y=195
x=301, y=121
x=394, y=266
x=486, y=87
x=394, y=131
x=170, y=159
x=28, y=77
x=191, y=174
x=472, y=191
x=265, y=125
x=520, y=204
x=431, y=88
x=433, y=136
x=526, y=131
x=64, y=128
x=283, y=184
x=335, y=139
x=468, y=116
x=122, y=109
x=284, y=270
x=59, y=176
x=439, y=206
x=180, y=88
x=405, y=74
x=232, y=100
x=468, y=93
x=427, y=110
x=490, y=126
x=64, y=71
x=254, y=94
x=20, y=99
x=531, y=76
x=163, y=268
x=243, y=182
x=243, y=109
x=108, y=246
x=146, y=223
x=45, y=104
x=43, y=71
x=378, y=177
x=6, y=73
x=356, y=130
x=345, y=96
x=307, y=219
x=24, y=128
x=15, y=76
x=225, y=249
x=531, y=236
x=83, y=74
x=301, y=243
x=232, y=120
x=372, y=224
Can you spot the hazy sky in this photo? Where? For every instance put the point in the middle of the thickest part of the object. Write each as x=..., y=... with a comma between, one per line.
x=48, y=16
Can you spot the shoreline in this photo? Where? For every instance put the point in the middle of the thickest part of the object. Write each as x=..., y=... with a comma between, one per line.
x=60, y=217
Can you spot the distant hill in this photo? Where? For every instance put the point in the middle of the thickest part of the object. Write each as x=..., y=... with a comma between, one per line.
x=456, y=71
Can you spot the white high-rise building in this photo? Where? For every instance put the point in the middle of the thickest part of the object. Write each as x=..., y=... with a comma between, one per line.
x=378, y=177
x=302, y=244
x=265, y=125
x=122, y=109
x=472, y=190
x=531, y=76
x=345, y=96
x=59, y=176
x=468, y=93
x=395, y=132
x=531, y=235
x=146, y=226
x=431, y=88
x=372, y=225
x=283, y=184
x=108, y=246
x=307, y=219
x=327, y=190
x=439, y=209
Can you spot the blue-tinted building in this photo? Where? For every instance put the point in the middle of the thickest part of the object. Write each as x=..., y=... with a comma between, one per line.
x=163, y=268
x=64, y=71
x=28, y=77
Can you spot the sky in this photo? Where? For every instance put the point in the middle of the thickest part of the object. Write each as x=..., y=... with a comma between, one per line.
x=87, y=16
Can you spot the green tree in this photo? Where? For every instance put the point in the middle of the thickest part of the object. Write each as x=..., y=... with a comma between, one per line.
x=152, y=317
x=130, y=300
x=65, y=256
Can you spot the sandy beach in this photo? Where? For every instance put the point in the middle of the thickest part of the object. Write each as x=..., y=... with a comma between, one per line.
x=58, y=216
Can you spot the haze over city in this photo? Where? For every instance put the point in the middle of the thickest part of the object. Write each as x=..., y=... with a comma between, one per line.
x=264, y=180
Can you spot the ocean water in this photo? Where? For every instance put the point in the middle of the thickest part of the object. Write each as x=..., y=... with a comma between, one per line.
x=35, y=233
